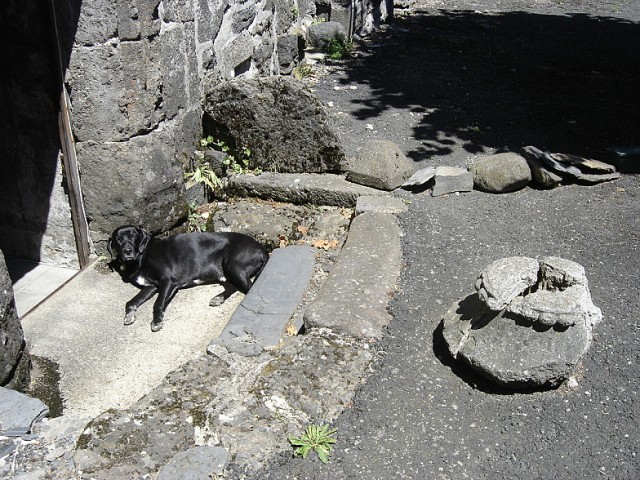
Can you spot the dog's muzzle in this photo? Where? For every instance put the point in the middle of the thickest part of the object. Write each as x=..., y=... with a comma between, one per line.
x=127, y=254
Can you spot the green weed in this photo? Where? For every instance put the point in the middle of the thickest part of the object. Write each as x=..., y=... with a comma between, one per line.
x=315, y=438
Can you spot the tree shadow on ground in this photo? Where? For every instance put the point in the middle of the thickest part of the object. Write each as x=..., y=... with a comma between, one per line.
x=499, y=81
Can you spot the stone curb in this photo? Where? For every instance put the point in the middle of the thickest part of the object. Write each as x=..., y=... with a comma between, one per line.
x=355, y=296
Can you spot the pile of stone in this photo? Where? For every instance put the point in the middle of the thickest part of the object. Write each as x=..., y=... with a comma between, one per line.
x=509, y=171
x=527, y=325
x=551, y=169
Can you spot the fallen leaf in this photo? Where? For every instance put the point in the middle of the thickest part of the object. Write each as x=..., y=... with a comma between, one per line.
x=292, y=331
x=326, y=244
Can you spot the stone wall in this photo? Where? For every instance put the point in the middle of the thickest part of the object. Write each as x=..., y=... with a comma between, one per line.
x=134, y=72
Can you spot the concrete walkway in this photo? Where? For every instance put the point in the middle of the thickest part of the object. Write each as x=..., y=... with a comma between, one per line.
x=104, y=364
x=33, y=282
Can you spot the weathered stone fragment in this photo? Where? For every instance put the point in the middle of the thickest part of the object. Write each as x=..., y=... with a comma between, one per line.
x=504, y=172
x=564, y=308
x=543, y=176
x=420, y=177
x=505, y=279
x=205, y=461
x=380, y=204
x=320, y=34
x=586, y=165
x=284, y=125
x=529, y=324
x=380, y=164
x=562, y=296
x=573, y=167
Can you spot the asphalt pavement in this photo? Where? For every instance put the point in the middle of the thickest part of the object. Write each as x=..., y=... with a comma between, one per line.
x=450, y=89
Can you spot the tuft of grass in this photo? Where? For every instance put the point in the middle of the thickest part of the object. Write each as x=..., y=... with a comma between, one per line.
x=339, y=48
x=317, y=438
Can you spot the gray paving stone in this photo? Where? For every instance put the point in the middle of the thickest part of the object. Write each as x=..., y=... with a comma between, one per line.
x=18, y=412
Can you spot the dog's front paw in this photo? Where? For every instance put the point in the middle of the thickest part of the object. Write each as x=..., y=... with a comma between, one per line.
x=130, y=317
x=157, y=326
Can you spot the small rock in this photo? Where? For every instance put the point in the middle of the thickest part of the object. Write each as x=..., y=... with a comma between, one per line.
x=380, y=164
x=420, y=177
x=320, y=34
x=504, y=172
x=542, y=175
x=452, y=179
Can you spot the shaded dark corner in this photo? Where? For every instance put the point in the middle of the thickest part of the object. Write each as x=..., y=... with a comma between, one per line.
x=35, y=56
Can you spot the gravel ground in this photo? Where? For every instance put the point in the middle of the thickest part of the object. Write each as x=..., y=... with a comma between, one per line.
x=448, y=86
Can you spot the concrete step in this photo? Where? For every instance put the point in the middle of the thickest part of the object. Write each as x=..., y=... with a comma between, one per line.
x=301, y=188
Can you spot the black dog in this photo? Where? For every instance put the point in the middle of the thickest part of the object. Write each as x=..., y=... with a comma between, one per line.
x=185, y=260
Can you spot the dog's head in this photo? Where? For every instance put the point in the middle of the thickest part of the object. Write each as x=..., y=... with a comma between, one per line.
x=128, y=242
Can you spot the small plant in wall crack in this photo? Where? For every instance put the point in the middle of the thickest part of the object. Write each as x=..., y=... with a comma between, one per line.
x=204, y=174
x=196, y=219
x=235, y=165
x=315, y=438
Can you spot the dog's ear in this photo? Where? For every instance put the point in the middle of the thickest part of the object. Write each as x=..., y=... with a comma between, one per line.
x=145, y=237
x=110, y=247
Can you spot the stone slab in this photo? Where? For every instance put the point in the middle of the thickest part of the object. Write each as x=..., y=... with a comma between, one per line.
x=262, y=317
x=355, y=295
x=300, y=188
x=18, y=412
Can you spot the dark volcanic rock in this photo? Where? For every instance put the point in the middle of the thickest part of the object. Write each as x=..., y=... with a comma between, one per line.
x=279, y=119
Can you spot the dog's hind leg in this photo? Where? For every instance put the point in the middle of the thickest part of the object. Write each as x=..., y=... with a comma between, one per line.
x=236, y=279
x=219, y=299
x=132, y=305
x=166, y=293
